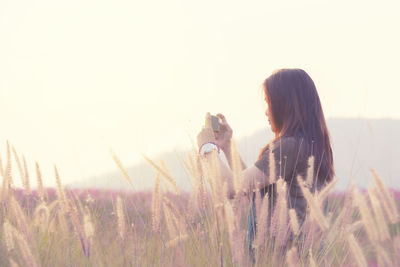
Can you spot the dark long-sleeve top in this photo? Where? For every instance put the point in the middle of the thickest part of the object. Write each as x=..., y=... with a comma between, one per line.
x=291, y=156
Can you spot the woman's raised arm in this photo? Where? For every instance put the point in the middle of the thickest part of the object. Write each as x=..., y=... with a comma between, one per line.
x=252, y=177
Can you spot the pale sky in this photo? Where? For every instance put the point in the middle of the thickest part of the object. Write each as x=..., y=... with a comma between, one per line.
x=79, y=77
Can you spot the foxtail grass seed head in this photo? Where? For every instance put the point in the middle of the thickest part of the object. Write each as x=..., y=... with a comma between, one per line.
x=235, y=235
x=172, y=181
x=177, y=217
x=1, y=168
x=282, y=228
x=60, y=188
x=13, y=263
x=174, y=242
x=19, y=166
x=40, y=188
x=294, y=222
x=62, y=224
x=8, y=236
x=225, y=191
x=156, y=205
x=202, y=191
x=315, y=210
x=121, y=167
x=272, y=171
x=386, y=199
x=230, y=219
x=310, y=172
x=323, y=194
x=262, y=223
x=121, y=218
x=19, y=216
x=366, y=217
x=42, y=214
x=382, y=227
x=236, y=167
x=7, y=180
x=88, y=225
x=352, y=228
x=25, y=250
x=216, y=177
x=169, y=222
x=292, y=258
x=312, y=261
x=356, y=251
x=279, y=224
x=165, y=173
x=78, y=225
x=26, y=183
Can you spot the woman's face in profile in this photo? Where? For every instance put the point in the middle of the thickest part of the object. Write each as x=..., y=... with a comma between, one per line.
x=268, y=114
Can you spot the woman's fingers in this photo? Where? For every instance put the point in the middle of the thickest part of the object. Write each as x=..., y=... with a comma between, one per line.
x=222, y=117
x=208, y=120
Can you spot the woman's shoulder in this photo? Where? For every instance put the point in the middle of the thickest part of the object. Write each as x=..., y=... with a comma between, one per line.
x=286, y=143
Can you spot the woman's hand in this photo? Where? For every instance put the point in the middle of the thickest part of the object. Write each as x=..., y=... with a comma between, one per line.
x=206, y=135
x=224, y=135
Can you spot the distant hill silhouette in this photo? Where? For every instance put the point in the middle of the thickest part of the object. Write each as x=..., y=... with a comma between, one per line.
x=358, y=145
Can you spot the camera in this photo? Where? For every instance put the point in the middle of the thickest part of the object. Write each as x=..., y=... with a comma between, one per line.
x=215, y=123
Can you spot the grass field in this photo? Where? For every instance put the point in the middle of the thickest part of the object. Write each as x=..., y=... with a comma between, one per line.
x=168, y=227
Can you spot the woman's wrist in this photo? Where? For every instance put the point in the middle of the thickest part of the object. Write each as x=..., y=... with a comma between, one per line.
x=208, y=147
x=226, y=148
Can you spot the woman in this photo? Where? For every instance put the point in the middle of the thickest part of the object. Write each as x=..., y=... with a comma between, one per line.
x=296, y=118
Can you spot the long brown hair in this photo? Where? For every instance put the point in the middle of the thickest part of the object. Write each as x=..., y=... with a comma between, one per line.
x=296, y=111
